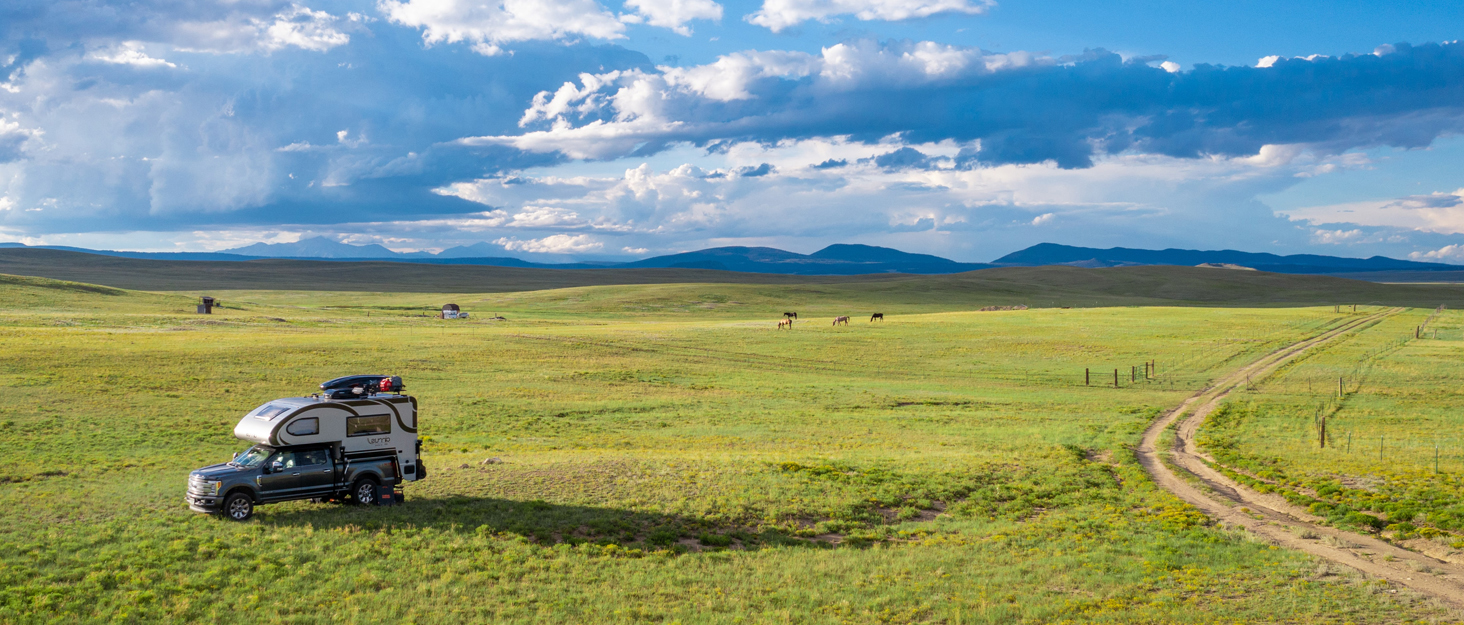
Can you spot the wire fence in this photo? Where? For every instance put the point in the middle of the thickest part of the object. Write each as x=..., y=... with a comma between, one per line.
x=1439, y=452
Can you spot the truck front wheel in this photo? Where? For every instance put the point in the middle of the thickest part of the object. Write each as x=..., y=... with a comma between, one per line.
x=364, y=492
x=238, y=507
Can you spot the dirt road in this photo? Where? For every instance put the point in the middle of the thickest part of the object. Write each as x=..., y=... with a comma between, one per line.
x=1271, y=516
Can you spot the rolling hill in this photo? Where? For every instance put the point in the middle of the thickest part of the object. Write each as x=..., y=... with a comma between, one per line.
x=1034, y=286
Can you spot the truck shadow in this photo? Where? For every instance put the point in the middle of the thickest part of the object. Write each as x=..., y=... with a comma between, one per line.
x=543, y=523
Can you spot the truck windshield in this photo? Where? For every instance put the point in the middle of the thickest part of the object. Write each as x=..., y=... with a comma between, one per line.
x=253, y=456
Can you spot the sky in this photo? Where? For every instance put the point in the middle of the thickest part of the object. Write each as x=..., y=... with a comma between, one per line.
x=619, y=129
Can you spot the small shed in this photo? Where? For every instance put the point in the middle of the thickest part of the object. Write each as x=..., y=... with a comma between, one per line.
x=206, y=308
x=451, y=311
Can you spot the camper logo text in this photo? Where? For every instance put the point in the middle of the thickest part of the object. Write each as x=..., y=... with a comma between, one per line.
x=385, y=440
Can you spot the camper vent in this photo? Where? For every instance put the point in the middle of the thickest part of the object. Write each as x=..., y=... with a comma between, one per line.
x=361, y=386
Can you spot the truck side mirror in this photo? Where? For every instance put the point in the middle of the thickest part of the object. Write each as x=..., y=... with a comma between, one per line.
x=276, y=467
x=236, y=455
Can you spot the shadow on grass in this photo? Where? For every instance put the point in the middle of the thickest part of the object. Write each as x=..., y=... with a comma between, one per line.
x=541, y=522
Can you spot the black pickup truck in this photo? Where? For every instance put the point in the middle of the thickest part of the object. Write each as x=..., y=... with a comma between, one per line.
x=268, y=474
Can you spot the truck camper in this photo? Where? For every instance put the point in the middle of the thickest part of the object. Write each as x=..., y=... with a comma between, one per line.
x=356, y=439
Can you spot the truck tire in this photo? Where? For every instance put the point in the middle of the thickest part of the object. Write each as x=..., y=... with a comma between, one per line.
x=238, y=507
x=364, y=492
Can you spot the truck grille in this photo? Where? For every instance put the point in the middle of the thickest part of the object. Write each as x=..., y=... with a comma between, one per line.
x=196, y=485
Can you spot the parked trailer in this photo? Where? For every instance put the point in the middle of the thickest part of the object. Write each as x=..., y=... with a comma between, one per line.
x=355, y=440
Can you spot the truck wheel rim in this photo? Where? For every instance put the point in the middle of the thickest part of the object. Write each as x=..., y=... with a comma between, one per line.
x=365, y=493
x=239, y=508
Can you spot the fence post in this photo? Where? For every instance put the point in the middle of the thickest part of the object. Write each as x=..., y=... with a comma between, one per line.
x=1087, y=377
x=1115, y=378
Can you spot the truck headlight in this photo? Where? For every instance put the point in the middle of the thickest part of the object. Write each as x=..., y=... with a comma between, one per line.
x=212, y=486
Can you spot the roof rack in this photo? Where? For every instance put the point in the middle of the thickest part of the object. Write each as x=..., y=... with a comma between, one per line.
x=361, y=386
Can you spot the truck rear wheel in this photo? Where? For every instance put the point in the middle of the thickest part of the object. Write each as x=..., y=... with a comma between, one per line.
x=238, y=507
x=364, y=492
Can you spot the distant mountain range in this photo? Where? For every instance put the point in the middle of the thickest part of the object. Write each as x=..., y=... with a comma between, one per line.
x=838, y=259
x=1054, y=254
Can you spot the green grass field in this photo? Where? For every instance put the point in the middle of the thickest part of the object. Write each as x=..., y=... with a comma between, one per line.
x=1393, y=462
x=667, y=456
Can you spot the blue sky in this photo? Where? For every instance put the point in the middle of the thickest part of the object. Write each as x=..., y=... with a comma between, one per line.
x=606, y=129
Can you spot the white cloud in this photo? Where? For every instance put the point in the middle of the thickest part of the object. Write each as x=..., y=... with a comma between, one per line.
x=635, y=250
x=1267, y=61
x=778, y=15
x=1336, y=237
x=1170, y=66
x=553, y=244
x=691, y=204
x=296, y=26
x=1437, y=212
x=1446, y=253
x=642, y=106
x=128, y=53
x=13, y=139
x=305, y=29
x=674, y=14
x=488, y=25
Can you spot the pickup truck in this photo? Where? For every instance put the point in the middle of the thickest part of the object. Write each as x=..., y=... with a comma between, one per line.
x=357, y=435
x=264, y=474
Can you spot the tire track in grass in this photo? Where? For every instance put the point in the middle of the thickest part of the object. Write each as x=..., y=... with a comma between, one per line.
x=1271, y=516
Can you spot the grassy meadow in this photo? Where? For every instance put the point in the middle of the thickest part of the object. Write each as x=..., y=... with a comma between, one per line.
x=666, y=455
x=1393, y=461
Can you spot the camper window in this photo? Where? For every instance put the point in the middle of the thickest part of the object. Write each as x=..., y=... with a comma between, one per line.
x=362, y=426
x=304, y=427
x=269, y=411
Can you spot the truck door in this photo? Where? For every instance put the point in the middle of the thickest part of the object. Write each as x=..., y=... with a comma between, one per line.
x=317, y=472
x=282, y=479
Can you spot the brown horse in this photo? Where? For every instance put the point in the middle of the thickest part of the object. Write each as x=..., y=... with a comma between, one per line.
x=844, y=320
x=879, y=316
x=790, y=315
x=786, y=324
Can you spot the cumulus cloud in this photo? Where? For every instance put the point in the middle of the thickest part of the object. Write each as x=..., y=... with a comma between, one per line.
x=489, y=25
x=1447, y=253
x=128, y=53
x=674, y=14
x=1435, y=212
x=553, y=244
x=779, y=15
x=1336, y=237
x=1022, y=108
x=241, y=28
x=13, y=138
x=964, y=209
x=103, y=134
x=768, y=95
x=303, y=28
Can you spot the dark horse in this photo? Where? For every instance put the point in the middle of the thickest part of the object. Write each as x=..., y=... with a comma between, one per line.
x=879, y=316
x=790, y=315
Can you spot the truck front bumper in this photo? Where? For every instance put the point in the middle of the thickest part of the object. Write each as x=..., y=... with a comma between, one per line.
x=204, y=504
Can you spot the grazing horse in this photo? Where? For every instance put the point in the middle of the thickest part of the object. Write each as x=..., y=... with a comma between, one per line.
x=786, y=324
x=879, y=316
x=790, y=315
x=837, y=320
